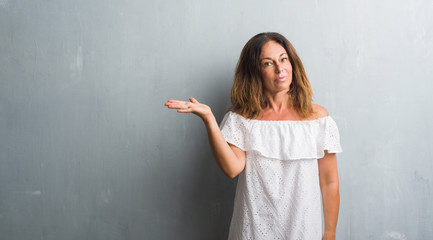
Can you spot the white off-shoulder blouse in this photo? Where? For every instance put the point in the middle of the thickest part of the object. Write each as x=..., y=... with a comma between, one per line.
x=278, y=192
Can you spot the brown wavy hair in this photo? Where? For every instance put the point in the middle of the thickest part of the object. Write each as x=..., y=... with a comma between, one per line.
x=247, y=93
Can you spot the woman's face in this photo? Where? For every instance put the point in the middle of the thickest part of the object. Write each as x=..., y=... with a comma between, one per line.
x=275, y=68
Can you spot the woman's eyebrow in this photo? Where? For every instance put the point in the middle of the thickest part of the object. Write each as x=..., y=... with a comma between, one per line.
x=268, y=58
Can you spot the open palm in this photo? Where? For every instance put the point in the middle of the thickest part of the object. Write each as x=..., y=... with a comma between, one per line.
x=193, y=106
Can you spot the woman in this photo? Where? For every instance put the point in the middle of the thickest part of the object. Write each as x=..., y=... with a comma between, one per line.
x=280, y=144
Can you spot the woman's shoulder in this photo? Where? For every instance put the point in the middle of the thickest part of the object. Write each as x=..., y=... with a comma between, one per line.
x=319, y=112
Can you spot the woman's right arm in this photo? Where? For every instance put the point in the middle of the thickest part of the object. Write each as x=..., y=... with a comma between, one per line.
x=230, y=158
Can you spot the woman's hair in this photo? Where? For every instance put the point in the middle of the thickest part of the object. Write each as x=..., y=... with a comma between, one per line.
x=247, y=93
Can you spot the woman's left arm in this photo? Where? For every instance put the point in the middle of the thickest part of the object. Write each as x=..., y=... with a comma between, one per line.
x=328, y=177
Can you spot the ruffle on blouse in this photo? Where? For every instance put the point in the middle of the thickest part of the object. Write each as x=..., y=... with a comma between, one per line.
x=282, y=140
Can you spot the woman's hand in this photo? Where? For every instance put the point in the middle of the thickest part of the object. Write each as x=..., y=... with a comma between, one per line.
x=199, y=109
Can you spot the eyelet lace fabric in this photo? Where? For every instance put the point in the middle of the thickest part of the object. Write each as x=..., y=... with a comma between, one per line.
x=278, y=193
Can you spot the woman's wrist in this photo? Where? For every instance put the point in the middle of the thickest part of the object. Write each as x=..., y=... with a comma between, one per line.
x=208, y=118
x=329, y=236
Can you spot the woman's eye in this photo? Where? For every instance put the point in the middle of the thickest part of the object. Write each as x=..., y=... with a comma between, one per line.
x=267, y=64
x=284, y=59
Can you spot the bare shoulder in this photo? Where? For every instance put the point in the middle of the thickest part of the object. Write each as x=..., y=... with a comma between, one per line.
x=319, y=111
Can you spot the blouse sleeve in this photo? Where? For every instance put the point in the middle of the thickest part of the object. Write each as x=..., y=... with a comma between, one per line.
x=331, y=141
x=233, y=129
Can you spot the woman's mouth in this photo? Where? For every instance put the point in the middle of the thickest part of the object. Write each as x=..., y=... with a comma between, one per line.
x=280, y=79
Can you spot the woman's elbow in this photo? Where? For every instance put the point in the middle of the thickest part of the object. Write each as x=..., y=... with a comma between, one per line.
x=233, y=173
x=231, y=176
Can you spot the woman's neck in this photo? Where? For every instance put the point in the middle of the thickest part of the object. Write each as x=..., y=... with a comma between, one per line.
x=277, y=102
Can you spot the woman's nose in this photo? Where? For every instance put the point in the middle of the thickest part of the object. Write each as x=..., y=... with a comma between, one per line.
x=278, y=68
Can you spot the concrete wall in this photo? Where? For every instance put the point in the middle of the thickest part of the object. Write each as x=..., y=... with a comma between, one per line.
x=87, y=150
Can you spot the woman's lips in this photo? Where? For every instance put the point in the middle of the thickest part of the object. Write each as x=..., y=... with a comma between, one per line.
x=280, y=79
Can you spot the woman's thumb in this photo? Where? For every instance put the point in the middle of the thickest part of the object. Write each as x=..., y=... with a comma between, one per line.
x=193, y=100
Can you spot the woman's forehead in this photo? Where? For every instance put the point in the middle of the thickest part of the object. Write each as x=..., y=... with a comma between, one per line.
x=272, y=49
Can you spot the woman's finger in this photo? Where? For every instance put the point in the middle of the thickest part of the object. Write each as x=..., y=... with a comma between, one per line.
x=193, y=100
x=176, y=104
